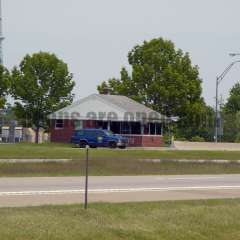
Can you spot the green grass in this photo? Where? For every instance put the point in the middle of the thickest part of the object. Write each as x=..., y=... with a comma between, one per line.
x=113, y=167
x=104, y=162
x=184, y=220
x=55, y=151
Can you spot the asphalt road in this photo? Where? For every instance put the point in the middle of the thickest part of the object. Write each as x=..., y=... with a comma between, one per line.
x=69, y=190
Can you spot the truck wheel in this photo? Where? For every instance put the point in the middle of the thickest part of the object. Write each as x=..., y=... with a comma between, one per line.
x=83, y=144
x=113, y=145
x=123, y=147
x=93, y=146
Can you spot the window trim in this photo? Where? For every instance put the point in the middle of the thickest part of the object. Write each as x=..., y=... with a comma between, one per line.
x=81, y=125
x=56, y=123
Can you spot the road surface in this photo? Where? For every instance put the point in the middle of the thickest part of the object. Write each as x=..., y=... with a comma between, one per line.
x=69, y=190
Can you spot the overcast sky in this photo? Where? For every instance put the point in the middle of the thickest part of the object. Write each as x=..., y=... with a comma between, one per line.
x=94, y=36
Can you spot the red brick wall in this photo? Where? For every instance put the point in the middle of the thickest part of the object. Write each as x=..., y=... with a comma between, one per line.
x=145, y=141
x=152, y=141
x=134, y=141
x=62, y=135
x=89, y=124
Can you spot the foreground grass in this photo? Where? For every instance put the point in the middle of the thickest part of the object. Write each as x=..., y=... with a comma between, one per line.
x=192, y=220
x=104, y=162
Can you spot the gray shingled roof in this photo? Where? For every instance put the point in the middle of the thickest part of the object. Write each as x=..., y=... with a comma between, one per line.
x=125, y=103
x=122, y=103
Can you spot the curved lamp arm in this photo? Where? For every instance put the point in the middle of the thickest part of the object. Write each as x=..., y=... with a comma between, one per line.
x=223, y=75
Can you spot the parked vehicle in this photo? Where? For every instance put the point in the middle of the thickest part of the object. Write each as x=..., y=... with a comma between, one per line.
x=98, y=138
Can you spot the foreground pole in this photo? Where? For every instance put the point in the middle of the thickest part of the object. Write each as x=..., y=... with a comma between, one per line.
x=86, y=179
x=216, y=112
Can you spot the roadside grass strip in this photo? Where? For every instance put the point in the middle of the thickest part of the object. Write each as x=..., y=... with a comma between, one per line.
x=178, y=220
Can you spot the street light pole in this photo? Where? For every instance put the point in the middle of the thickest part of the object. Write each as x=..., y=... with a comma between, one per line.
x=218, y=81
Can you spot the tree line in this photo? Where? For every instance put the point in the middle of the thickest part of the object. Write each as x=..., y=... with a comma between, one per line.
x=161, y=77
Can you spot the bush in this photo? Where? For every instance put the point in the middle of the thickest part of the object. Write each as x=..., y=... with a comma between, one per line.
x=167, y=140
x=197, y=139
x=182, y=139
x=237, y=140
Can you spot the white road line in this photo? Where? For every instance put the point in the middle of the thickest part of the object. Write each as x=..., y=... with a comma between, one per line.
x=126, y=190
x=192, y=178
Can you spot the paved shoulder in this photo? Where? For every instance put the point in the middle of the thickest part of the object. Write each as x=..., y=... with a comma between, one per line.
x=60, y=190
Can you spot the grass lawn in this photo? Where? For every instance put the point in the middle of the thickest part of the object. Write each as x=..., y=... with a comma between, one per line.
x=191, y=220
x=114, y=167
x=55, y=151
x=110, y=162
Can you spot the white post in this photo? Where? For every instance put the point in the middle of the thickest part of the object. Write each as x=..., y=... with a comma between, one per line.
x=142, y=128
x=109, y=126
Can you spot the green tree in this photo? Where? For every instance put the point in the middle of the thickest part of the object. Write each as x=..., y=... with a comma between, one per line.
x=231, y=115
x=164, y=79
x=233, y=103
x=40, y=85
x=4, y=85
x=231, y=126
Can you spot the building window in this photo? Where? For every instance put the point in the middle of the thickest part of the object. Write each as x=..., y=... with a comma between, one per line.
x=116, y=127
x=158, y=128
x=136, y=128
x=154, y=129
x=78, y=124
x=102, y=125
x=59, y=124
x=126, y=128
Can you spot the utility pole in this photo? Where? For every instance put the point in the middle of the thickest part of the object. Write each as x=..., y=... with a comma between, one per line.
x=1, y=35
x=86, y=179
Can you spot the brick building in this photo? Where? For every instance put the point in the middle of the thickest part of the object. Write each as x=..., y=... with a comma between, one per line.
x=121, y=115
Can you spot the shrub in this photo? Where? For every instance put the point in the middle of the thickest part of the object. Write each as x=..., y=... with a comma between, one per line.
x=182, y=139
x=167, y=140
x=197, y=139
x=237, y=140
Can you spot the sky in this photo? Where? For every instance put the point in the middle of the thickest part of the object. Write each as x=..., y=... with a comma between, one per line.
x=94, y=37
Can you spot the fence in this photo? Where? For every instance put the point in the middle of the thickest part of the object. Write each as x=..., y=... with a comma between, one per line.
x=19, y=134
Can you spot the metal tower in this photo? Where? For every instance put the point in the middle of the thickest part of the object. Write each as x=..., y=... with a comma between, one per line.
x=1, y=35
